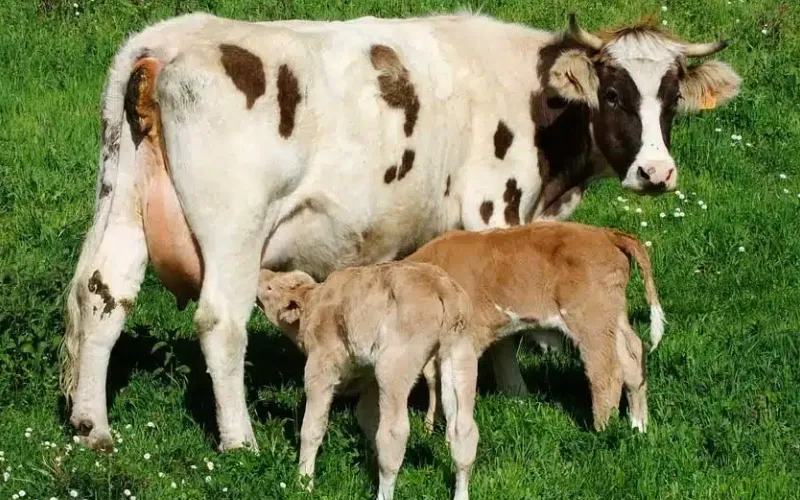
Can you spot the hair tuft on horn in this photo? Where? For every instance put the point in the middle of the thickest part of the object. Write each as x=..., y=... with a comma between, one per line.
x=582, y=36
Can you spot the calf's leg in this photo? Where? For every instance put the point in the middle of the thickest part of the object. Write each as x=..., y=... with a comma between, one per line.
x=396, y=371
x=632, y=360
x=432, y=381
x=319, y=386
x=459, y=374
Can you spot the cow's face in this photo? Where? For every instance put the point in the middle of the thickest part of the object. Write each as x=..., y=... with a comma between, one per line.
x=635, y=80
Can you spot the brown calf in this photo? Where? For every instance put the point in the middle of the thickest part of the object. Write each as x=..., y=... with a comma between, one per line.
x=556, y=278
x=381, y=324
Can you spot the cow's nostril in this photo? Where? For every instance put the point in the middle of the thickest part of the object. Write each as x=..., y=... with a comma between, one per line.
x=644, y=175
x=669, y=174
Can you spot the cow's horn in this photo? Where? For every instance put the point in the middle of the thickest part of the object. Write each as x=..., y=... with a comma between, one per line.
x=703, y=49
x=582, y=36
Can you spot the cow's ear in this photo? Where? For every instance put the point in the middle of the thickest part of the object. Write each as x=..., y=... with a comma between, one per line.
x=707, y=85
x=574, y=77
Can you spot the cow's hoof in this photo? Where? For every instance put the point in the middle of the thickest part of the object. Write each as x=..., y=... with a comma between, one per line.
x=250, y=445
x=91, y=436
x=98, y=441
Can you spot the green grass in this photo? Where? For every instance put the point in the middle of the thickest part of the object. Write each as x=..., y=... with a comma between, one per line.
x=724, y=385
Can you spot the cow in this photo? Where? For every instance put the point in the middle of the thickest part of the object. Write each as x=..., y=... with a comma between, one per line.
x=230, y=146
x=380, y=324
x=555, y=280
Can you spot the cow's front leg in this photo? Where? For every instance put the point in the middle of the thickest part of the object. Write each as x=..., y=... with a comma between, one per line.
x=506, y=368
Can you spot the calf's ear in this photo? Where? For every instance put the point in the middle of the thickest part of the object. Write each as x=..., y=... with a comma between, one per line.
x=707, y=85
x=290, y=312
x=574, y=77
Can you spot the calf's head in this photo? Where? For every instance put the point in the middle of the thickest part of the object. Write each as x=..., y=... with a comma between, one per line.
x=634, y=81
x=282, y=297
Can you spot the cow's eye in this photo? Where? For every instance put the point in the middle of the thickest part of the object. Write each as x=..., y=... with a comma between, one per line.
x=612, y=97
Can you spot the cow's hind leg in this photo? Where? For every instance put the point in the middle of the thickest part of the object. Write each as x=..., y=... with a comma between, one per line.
x=106, y=282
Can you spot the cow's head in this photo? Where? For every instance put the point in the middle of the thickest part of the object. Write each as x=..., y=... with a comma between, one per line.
x=635, y=80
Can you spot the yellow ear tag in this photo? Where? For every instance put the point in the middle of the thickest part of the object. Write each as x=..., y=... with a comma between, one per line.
x=709, y=100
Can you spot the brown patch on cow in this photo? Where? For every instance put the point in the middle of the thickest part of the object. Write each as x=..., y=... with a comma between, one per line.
x=245, y=70
x=395, y=85
x=561, y=133
x=105, y=189
x=390, y=174
x=288, y=99
x=554, y=207
x=97, y=287
x=503, y=137
x=406, y=164
x=127, y=305
x=512, y=197
x=486, y=210
x=447, y=186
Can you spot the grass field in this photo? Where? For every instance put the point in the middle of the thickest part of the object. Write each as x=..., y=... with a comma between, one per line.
x=724, y=385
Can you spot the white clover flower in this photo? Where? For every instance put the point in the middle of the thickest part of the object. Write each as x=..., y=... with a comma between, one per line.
x=704, y=207
x=126, y=492
x=76, y=439
x=282, y=485
x=14, y=496
x=717, y=130
x=133, y=497
x=147, y=456
x=119, y=440
x=6, y=477
x=682, y=196
x=225, y=489
x=161, y=474
x=663, y=8
x=638, y=210
x=662, y=215
x=749, y=144
x=783, y=176
x=626, y=208
x=75, y=5
x=785, y=191
x=21, y=493
x=764, y=31
x=210, y=465
x=27, y=434
x=664, y=22
x=73, y=493
x=741, y=249
x=53, y=498
x=648, y=243
x=208, y=479
x=193, y=467
x=643, y=223
x=116, y=450
x=151, y=425
x=173, y=485
x=28, y=430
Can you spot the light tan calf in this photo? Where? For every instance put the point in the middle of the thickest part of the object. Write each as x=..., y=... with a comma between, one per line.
x=556, y=278
x=382, y=323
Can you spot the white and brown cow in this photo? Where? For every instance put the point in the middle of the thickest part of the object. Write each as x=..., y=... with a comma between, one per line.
x=228, y=146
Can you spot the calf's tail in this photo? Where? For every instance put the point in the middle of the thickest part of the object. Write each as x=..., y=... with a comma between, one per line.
x=635, y=250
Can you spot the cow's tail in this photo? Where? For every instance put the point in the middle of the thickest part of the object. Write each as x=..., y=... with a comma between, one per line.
x=635, y=250
x=117, y=154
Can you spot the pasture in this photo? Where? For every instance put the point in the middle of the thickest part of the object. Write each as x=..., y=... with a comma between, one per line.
x=724, y=385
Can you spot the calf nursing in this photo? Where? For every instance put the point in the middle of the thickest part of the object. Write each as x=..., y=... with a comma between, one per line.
x=383, y=324
x=558, y=279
